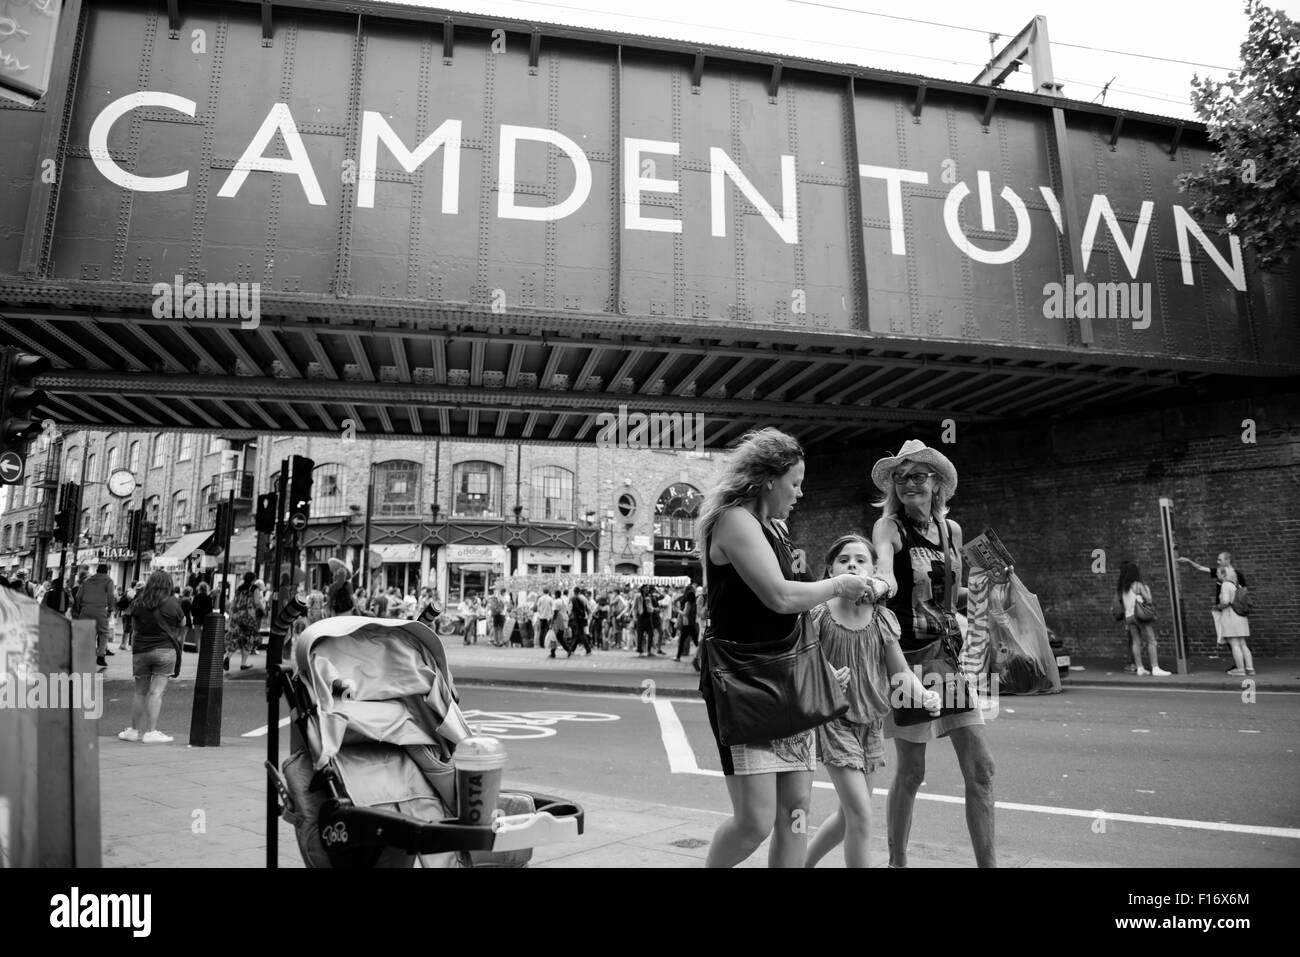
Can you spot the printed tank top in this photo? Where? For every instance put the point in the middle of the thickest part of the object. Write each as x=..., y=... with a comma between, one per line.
x=921, y=596
x=735, y=612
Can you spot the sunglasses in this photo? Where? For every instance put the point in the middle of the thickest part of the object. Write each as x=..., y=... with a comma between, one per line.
x=912, y=478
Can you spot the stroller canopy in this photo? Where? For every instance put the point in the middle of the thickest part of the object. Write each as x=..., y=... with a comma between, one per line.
x=403, y=692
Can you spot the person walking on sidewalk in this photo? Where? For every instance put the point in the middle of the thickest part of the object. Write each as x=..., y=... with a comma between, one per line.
x=579, y=616
x=686, y=632
x=916, y=545
x=1138, y=605
x=245, y=614
x=1232, y=627
x=155, y=657
x=94, y=600
x=755, y=597
x=545, y=608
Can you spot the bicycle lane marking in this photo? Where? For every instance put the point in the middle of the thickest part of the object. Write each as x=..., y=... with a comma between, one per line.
x=681, y=760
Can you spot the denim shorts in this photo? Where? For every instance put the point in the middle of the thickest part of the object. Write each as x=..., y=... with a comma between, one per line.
x=159, y=661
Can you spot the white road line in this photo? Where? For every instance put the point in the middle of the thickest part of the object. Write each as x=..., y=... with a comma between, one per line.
x=1148, y=689
x=261, y=732
x=681, y=760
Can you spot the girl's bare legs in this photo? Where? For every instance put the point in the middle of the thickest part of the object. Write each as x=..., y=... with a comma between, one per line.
x=851, y=822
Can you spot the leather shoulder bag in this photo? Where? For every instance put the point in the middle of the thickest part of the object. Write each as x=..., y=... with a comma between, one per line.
x=940, y=660
x=768, y=690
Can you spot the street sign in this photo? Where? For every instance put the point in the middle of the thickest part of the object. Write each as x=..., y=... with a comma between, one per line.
x=12, y=466
x=298, y=521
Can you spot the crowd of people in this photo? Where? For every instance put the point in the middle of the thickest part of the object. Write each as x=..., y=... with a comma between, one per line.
x=645, y=618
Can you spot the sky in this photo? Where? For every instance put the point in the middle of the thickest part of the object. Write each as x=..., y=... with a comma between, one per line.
x=1206, y=34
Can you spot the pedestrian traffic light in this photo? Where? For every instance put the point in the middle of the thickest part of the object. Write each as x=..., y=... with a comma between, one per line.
x=133, y=530
x=148, y=536
x=300, y=478
x=266, y=512
x=18, y=399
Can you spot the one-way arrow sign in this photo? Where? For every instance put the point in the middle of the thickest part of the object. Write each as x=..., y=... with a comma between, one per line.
x=11, y=467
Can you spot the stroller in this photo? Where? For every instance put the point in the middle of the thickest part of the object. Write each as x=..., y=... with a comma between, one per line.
x=371, y=780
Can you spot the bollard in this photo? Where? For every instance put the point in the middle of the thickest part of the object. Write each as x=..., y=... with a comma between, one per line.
x=205, y=716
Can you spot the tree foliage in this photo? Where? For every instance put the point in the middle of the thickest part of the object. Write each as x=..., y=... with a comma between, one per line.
x=1253, y=181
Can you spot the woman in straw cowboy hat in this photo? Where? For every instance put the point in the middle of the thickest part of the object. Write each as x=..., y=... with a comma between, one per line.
x=917, y=484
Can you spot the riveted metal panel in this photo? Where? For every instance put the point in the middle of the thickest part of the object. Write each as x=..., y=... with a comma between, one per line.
x=587, y=270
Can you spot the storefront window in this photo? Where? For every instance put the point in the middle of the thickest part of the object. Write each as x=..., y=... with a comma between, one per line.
x=477, y=489
x=552, y=494
x=397, y=488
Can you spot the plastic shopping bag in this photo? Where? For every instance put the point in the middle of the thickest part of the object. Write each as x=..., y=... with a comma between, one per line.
x=1023, y=656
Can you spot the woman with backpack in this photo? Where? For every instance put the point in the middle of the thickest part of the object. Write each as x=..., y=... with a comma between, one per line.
x=1232, y=626
x=1139, y=613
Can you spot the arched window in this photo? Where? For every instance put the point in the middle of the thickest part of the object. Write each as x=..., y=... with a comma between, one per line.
x=8, y=536
x=105, y=520
x=676, y=510
x=180, y=511
x=159, y=450
x=476, y=489
x=19, y=542
x=72, y=464
x=152, y=508
x=552, y=494
x=327, y=490
x=397, y=488
x=114, y=460
x=133, y=459
x=186, y=450
x=92, y=462
x=123, y=520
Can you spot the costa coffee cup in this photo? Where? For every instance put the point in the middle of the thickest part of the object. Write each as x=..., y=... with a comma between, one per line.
x=479, y=762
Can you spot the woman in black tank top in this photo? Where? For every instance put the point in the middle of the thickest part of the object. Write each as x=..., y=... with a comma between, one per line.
x=753, y=596
x=909, y=542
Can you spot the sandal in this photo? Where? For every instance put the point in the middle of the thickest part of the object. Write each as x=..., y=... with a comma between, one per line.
x=245, y=667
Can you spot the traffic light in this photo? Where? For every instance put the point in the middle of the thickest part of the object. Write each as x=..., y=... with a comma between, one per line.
x=223, y=527
x=69, y=508
x=18, y=399
x=133, y=530
x=148, y=536
x=266, y=512
x=300, y=478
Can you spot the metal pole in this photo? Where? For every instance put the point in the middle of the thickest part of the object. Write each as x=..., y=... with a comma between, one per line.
x=365, y=549
x=1171, y=571
x=273, y=678
x=230, y=534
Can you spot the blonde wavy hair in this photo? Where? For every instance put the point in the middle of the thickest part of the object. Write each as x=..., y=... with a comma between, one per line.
x=762, y=454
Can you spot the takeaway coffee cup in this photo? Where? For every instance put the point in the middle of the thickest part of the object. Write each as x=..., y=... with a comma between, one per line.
x=479, y=762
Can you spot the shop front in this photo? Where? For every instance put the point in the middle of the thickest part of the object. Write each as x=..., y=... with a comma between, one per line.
x=548, y=561
x=397, y=566
x=676, y=556
x=472, y=569
x=120, y=560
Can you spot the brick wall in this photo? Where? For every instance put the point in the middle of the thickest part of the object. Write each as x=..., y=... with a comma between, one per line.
x=1055, y=492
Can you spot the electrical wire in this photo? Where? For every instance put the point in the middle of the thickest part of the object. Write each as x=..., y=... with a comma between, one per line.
x=1055, y=43
x=915, y=56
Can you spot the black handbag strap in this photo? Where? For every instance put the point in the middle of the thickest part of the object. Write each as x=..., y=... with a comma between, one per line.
x=949, y=586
